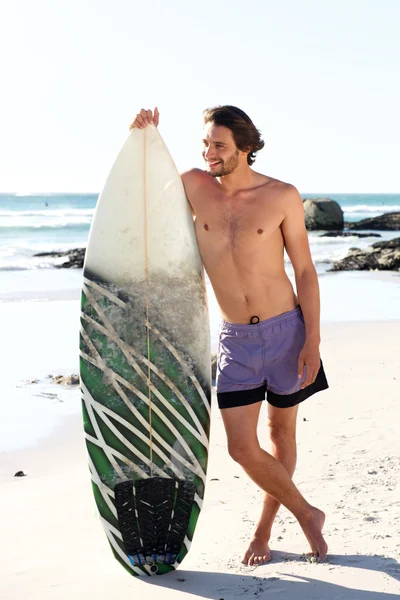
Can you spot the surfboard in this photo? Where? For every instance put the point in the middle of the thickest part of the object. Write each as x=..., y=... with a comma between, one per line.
x=145, y=360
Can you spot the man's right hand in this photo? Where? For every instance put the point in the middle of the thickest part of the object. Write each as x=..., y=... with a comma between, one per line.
x=144, y=118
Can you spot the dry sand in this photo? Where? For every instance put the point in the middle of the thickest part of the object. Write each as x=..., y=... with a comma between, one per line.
x=53, y=546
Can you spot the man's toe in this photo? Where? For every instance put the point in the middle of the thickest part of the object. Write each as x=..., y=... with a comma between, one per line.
x=246, y=558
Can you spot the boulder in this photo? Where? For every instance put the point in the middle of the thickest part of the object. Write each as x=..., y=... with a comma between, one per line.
x=381, y=256
x=386, y=222
x=322, y=213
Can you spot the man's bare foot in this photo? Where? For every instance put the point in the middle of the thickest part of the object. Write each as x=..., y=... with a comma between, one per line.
x=258, y=553
x=312, y=528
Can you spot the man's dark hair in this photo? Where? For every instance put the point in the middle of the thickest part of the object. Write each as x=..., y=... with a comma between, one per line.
x=247, y=137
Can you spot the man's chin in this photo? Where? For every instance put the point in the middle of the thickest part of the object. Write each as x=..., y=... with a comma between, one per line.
x=215, y=172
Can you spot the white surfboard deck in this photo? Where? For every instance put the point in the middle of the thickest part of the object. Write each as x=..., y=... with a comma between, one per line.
x=143, y=228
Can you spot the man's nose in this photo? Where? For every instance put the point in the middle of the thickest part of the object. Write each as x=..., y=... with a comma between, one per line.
x=208, y=152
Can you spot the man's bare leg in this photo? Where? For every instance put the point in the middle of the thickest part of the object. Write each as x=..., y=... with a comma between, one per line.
x=269, y=474
x=282, y=425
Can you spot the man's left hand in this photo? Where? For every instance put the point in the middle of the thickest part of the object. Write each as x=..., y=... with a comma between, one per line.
x=309, y=358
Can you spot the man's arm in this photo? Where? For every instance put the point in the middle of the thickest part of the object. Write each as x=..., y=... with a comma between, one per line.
x=298, y=249
x=192, y=180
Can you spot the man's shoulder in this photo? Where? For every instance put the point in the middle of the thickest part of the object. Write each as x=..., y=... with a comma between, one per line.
x=280, y=189
x=193, y=175
x=193, y=180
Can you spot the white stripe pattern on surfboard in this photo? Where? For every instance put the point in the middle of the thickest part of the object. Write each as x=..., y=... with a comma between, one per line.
x=113, y=377
x=110, y=332
x=162, y=338
x=102, y=411
x=129, y=446
x=128, y=351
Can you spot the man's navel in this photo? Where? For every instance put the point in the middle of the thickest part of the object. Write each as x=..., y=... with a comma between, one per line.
x=206, y=227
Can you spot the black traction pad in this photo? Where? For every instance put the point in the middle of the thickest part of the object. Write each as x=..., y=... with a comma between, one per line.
x=153, y=515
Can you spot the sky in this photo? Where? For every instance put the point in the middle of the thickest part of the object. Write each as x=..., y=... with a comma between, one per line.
x=319, y=78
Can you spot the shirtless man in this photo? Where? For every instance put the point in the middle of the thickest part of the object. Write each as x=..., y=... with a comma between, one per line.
x=268, y=345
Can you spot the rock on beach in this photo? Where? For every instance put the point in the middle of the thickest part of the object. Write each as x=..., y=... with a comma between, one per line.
x=73, y=258
x=348, y=234
x=322, y=213
x=381, y=256
x=386, y=222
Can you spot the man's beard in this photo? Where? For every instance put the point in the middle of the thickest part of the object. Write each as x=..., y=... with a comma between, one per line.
x=226, y=168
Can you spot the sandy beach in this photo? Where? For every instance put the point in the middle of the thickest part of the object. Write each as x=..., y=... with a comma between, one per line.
x=54, y=546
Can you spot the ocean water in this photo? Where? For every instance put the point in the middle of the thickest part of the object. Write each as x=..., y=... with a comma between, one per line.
x=31, y=224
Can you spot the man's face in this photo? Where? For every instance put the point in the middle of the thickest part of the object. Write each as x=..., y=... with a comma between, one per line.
x=219, y=150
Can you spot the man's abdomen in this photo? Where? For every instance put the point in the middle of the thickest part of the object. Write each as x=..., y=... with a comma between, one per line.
x=261, y=296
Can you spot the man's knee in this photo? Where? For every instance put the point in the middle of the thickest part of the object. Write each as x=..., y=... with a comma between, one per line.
x=281, y=433
x=243, y=453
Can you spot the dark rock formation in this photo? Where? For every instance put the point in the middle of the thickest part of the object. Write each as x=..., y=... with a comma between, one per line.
x=348, y=234
x=74, y=257
x=386, y=222
x=381, y=256
x=322, y=213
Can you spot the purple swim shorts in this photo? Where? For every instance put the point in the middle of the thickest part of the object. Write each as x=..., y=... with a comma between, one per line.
x=259, y=359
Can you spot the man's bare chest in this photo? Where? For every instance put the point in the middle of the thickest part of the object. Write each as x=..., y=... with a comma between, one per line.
x=236, y=220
